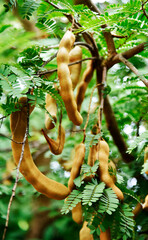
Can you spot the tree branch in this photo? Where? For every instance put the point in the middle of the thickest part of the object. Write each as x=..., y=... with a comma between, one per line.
x=128, y=54
x=115, y=132
x=133, y=69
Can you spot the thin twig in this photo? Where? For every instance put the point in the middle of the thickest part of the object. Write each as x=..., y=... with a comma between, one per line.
x=133, y=69
x=70, y=64
x=2, y=135
x=17, y=175
x=144, y=12
x=50, y=59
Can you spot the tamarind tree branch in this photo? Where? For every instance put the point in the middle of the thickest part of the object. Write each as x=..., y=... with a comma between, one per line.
x=144, y=12
x=70, y=64
x=133, y=69
x=127, y=54
x=17, y=175
x=115, y=131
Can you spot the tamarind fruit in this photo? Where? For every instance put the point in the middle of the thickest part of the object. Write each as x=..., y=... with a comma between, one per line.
x=66, y=90
x=92, y=157
x=145, y=204
x=51, y=107
x=56, y=146
x=77, y=213
x=86, y=78
x=84, y=233
x=78, y=161
x=104, y=175
x=44, y=185
x=75, y=70
x=105, y=235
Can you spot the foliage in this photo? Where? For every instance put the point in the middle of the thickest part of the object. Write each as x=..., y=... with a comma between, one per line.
x=23, y=60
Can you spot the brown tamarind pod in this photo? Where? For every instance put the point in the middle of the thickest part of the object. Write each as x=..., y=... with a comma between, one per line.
x=84, y=233
x=137, y=209
x=51, y=107
x=77, y=213
x=145, y=204
x=56, y=146
x=44, y=185
x=105, y=235
x=66, y=90
x=75, y=70
x=76, y=166
x=104, y=175
x=86, y=78
x=92, y=157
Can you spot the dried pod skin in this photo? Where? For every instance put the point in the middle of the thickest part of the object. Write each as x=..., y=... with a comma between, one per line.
x=51, y=107
x=85, y=233
x=56, y=146
x=44, y=185
x=105, y=177
x=76, y=166
x=66, y=90
x=86, y=78
x=75, y=70
x=77, y=213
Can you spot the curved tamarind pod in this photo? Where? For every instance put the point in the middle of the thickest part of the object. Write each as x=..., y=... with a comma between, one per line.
x=56, y=146
x=105, y=177
x=105, y=235
x=78, y=161
x=146, y=157
x=145, y=204
x=44, y=185
x=65, y=80
x=77, y=213
x=84, y=233
x=75, y=70
x=51, y=107
x=86, y=78
x=137, y=209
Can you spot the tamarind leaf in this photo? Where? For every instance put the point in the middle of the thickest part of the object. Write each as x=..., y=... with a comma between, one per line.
x=108, y=202
x=92, y=192
x=71, y=201
x=128, y=192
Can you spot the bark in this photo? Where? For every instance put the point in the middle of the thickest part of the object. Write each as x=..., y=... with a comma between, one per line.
x=115, y=131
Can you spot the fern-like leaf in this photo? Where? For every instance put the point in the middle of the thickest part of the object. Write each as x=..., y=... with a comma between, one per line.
x=92, y=193
x=72, y=200
x=108, y=202
x=128, y=192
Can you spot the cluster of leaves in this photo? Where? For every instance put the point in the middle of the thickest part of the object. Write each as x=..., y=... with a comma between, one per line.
x=101, y=208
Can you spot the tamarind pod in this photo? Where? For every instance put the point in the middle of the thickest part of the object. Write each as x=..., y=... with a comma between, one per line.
x=137, y=209
x=92, y=157
x=86, y=78
x=105, y=235
x=51, y=107
x=75, y=70
x=44, y=185
x=146, y=157
x=77, y=213
x=66, y=90
x=105, y=177
x=56, y=146
x=84, y=233
x=145, y=204
x=78, y=161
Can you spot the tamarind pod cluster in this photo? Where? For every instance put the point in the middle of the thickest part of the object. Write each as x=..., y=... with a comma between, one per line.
x=77, y=213
x=44, y=185
x=86, y=78
x=146, y=157
x=75, y=70
x=66, y=90
x=145, y=204
x=84, y=233
x=78, y=161
x=56, y=146
x=105, y=177
x=51, y=107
